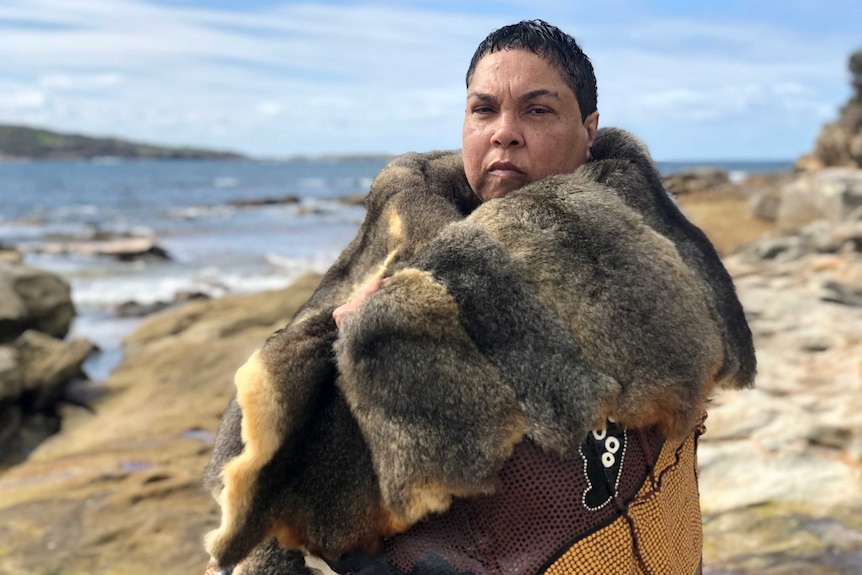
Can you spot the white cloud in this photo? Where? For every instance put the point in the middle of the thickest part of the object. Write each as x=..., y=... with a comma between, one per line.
x=22, y=100
x=80, y=81
x=269, y=108
x=304, y=78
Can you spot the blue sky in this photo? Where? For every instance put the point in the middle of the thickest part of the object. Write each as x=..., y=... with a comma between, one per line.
x=708, y=80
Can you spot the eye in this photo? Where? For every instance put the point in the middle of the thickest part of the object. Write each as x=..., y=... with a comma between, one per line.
x=539, y=111
x=483, y=109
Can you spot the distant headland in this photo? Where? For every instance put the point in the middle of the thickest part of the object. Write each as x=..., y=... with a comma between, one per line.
x=22, y=142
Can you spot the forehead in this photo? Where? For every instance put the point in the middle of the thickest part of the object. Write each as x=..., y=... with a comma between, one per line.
x=516, y=70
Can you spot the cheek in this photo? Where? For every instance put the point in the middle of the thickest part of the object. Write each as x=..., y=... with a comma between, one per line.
x=565, y=154
x=472, y=154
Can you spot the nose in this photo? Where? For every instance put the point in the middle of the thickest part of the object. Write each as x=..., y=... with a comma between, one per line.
x=507, y=131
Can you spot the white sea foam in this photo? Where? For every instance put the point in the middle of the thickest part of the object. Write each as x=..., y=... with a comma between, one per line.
x=316, y=183
x=197, y=212
x=104, y=294
x=225, y=182
x=737, y=176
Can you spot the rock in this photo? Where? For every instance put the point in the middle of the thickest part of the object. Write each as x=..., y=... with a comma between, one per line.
x=49, y=364
x=253, y=203
x=137, y=309
x=123, y=249
x=309, y=211
x=34, y=374
x=33, y=299
x=11, y=375
x=183, y=296
x=764, y=204
x=836, y=292
x=834, y=194
x=780, y=464
x=696, y=180
x=10, y=256
x=119, y=490
x=840, y=142
x=355, y=200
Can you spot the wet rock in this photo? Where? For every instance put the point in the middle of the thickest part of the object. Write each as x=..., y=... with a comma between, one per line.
x=356, y=200
x=124, y=249
x=33, y=299
x=259, y=202
x=137, y=309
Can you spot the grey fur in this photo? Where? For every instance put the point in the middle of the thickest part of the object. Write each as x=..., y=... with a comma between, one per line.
x=539, y=314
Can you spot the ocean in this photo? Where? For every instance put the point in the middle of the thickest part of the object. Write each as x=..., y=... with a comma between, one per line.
x=194, y=210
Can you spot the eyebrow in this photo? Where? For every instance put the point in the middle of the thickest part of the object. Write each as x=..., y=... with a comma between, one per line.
x=531, y=95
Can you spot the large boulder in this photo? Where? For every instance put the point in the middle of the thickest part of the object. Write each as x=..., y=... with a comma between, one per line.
x=31, y=298
x=833, y=194
x=35, y=372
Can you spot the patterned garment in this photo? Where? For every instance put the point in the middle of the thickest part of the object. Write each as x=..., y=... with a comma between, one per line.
x=628, y=505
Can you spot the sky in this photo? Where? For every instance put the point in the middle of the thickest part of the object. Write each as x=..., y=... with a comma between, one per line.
x=729, y=80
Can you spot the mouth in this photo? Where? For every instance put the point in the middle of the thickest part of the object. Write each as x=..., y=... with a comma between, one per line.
x=505, y=169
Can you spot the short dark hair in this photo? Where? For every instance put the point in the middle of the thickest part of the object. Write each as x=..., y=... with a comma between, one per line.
x=553, y=45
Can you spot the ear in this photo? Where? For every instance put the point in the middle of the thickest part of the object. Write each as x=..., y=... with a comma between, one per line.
x=591, y=124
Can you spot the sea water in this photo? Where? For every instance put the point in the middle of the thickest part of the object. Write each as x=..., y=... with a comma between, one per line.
x=188, y=208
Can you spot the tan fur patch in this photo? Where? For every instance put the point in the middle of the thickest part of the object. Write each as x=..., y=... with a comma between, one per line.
x=390, y=524
x=285, y=535
x=257, y=397
x=396, y=239
x=396, y=233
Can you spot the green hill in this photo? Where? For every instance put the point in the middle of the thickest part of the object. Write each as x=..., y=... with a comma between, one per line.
x=24, y=142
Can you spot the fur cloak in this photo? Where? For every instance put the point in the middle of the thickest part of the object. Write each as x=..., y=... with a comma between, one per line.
x=539, y=315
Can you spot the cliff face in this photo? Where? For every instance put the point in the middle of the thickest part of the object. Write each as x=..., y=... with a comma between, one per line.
x=24, y=142
x=840, y=142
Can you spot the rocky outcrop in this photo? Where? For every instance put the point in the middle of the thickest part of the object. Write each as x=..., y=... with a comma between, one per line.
x=36, y=365
x=33, y=299
x=840, y=142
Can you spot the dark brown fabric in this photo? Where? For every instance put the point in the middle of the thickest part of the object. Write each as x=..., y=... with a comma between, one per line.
x=538, y=510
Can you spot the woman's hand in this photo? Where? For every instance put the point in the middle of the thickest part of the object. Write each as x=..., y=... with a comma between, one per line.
x=355, y=302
